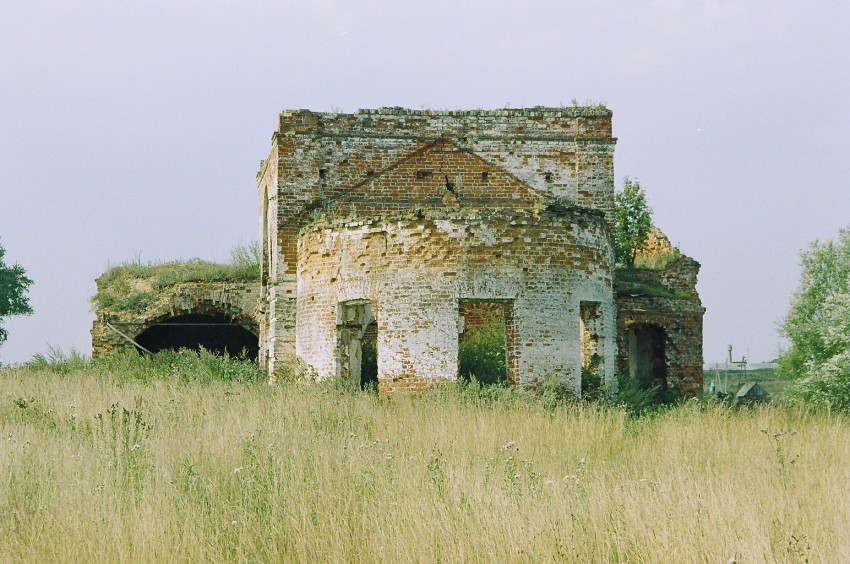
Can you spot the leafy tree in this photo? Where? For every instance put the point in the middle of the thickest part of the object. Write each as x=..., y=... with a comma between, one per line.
x=13, y=292
x=818, y=325
x=633, y=221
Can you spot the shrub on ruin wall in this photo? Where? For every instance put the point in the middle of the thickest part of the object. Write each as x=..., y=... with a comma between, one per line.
x=134, y=286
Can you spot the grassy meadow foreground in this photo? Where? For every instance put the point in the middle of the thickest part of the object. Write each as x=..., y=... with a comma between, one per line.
x=199, y=460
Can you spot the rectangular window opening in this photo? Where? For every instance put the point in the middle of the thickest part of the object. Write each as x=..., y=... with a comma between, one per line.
x=485, y=341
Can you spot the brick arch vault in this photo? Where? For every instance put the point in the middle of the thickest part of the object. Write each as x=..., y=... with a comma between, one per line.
x=207, y=326
x=220, y=319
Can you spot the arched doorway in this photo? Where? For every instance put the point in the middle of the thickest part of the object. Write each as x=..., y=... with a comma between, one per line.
x=647, y=355
x=214, y=332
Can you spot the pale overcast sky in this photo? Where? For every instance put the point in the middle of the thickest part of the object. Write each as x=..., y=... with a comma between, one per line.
x=135, y=129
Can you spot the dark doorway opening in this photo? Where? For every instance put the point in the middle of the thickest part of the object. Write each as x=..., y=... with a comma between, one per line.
x=369, y=358
x=590, y=332
x=357, y=344
x=215, y=333
x=647, y=356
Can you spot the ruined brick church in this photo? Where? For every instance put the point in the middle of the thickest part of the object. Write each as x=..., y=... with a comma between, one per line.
x=392, y=230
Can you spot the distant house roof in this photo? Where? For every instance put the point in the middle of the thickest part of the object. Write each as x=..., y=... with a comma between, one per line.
x=751, y=390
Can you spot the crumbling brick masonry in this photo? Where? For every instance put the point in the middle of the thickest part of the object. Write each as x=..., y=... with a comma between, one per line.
x=389, y=235
x=386, y=222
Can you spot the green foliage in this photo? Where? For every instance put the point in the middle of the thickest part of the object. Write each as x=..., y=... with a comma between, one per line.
x=116, y=292
x=818, y=326
x=55, y=360
x=246, y=256
x=657, y=261
x=633, y=222
x=828, y=385
x=587, y=104
x=635, y=397
x=817, y=322
x=13, y=292
x=165, y=274
x=183, y=365
x=471, y=390
x=369, y=365
x=593, y=387
x=555, y=392
x=482, y=354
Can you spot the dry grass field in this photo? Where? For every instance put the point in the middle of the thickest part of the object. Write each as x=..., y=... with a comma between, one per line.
x=106, y=464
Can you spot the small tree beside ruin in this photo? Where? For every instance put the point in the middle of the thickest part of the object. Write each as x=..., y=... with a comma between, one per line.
x=633, y=222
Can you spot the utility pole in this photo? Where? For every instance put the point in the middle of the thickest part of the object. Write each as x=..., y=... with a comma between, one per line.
x=742, y=366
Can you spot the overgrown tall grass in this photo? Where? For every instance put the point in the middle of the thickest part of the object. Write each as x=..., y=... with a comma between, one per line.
x=130, y=462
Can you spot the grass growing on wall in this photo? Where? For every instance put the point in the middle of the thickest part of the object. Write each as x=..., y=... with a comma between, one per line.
x=658, y=260
x=135, y=285
x=123, y=463
x=629, y=283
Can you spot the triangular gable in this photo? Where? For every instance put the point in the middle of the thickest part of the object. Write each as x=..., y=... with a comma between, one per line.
x=441, y=174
